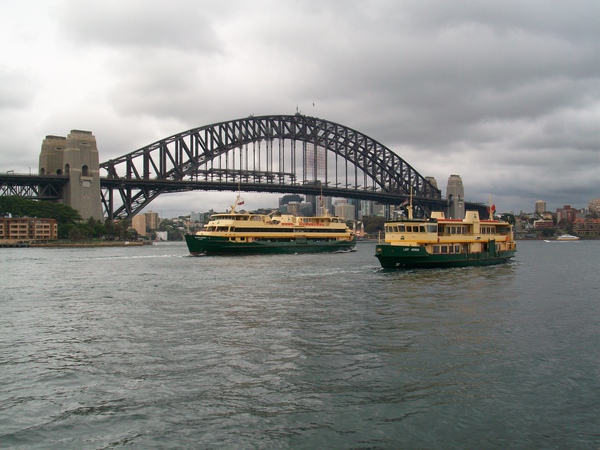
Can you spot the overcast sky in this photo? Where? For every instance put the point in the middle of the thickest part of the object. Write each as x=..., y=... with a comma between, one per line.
x=505, y=94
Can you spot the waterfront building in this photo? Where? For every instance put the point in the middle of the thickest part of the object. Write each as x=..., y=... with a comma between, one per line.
x=152, y=220
x=138, y=223
x=566, y=213
x=28, y=229
x=586, y=227
x=543, y=223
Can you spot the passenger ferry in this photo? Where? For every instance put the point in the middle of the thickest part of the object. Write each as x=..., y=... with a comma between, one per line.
x=441, y=242
x=235, y=233
x=567, y=237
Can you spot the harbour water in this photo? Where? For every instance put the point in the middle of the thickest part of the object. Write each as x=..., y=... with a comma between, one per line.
x=147, y=347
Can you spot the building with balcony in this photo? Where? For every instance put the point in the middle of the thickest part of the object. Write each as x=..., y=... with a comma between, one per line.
x=27, y=229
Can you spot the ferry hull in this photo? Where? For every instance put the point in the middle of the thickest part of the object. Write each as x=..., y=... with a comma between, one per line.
x=202, y=245
x=409, y=257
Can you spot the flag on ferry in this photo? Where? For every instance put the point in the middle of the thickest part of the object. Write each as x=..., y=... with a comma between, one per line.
x=241, y=202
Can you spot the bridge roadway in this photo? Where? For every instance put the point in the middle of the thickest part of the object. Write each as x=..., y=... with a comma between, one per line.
x=49, y=187
x=171, y=186
x=32, y=186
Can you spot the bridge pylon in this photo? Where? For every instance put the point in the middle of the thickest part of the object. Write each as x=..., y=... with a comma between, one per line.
x=75, y=156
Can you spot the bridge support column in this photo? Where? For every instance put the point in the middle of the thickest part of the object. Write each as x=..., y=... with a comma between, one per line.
x=455, y=192
x=76, y=156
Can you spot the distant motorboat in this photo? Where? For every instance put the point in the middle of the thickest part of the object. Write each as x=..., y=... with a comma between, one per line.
x=567, y=237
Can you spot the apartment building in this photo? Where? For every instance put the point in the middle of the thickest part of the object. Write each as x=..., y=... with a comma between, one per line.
x=28, y=229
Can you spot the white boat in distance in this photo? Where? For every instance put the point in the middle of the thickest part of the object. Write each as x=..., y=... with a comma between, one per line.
x=567, y=237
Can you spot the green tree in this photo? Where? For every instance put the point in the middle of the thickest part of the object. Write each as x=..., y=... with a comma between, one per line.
x=373, y=224
x=510, y=218
x=548, y=232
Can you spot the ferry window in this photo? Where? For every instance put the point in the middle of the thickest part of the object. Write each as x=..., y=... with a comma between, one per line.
x=422, y=228
x=457, y=249
x=395, y=229
x=444, y=249
x=431, y=228
x=451, y=248
x=436, y=249
x=401, y=228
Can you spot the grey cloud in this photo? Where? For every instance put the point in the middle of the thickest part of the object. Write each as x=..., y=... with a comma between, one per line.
x=500, y=93
x=179, y=25
x=16, y=90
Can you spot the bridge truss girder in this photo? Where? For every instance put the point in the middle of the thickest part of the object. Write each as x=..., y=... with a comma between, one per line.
x=261, y=154
x=33, y=187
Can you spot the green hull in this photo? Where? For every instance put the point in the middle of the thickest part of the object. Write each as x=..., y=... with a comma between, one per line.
x=202, y=245
x=401, y=256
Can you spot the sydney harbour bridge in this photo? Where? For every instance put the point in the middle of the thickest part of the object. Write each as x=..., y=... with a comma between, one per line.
x=270, y=154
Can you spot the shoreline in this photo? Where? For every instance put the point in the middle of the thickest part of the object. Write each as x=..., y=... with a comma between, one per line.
x=22, y=244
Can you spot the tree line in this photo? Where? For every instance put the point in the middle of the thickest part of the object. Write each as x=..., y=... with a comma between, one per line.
x=70, y=223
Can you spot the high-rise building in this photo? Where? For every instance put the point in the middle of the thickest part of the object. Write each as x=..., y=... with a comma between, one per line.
x=138, y=223
x=152, y=220
x=540, y=207
x=567, y=213
x=196, y=217
x=345, y=210
x=594, y=205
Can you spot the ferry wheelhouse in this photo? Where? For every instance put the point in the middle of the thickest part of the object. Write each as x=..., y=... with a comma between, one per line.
x=442, y=242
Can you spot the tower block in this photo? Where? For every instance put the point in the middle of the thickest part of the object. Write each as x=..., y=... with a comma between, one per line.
x=75, y=156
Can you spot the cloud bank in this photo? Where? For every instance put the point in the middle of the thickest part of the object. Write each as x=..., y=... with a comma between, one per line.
x=505, y=94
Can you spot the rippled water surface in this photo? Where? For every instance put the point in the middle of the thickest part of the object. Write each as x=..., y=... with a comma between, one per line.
x=147, y=347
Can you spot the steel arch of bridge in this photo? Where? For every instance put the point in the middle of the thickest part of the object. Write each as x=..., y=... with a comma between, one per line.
x=280, y=153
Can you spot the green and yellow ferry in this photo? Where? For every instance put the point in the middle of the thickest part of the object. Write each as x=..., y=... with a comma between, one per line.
x=236, y=233
x=440, y=242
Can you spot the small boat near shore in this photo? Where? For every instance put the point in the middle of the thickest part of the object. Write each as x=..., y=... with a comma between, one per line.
x=567, y=237
x=442, y=242
x=237, y=233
